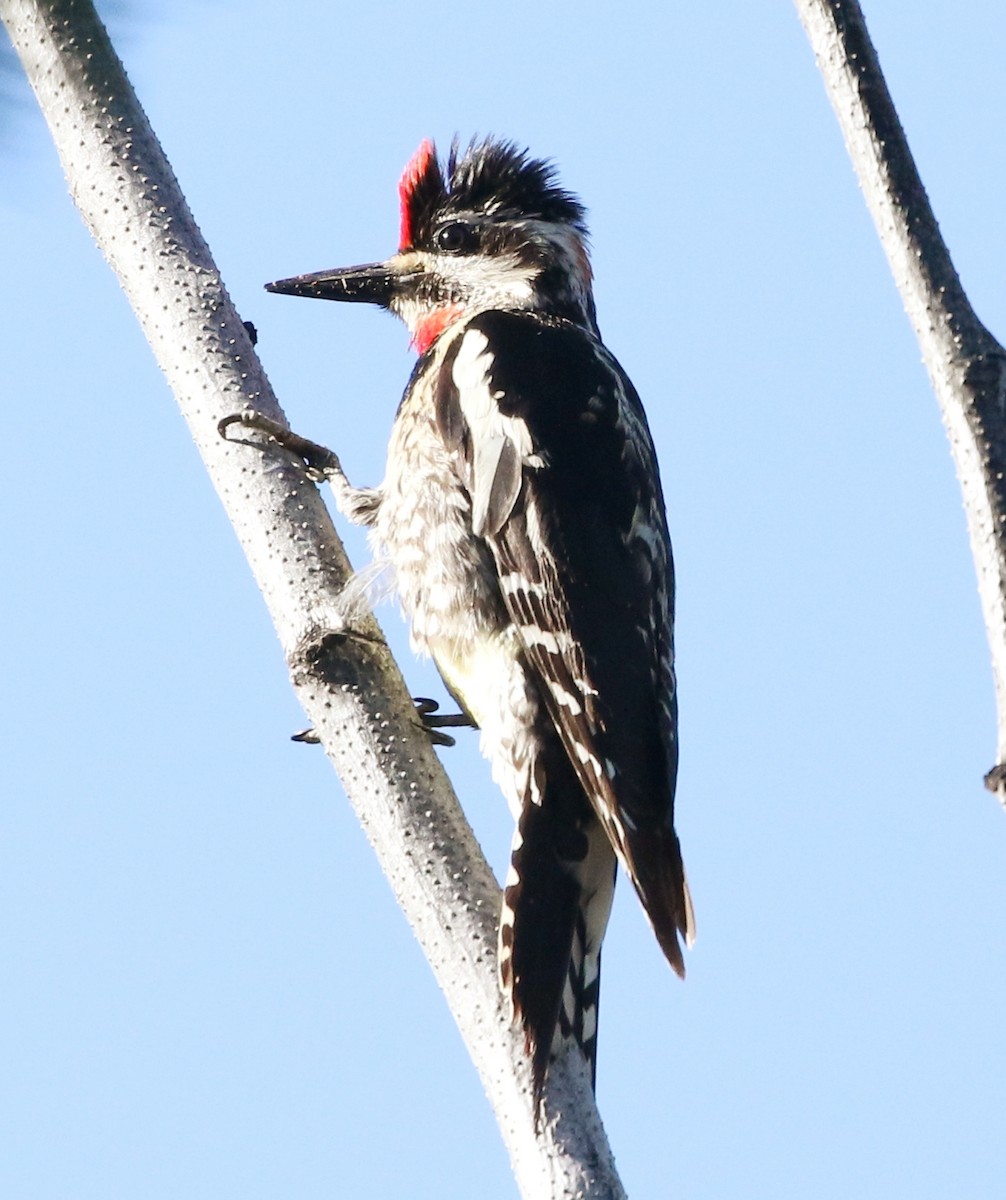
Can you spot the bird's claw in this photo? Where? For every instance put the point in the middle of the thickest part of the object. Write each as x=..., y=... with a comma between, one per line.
x=434, y=722
x=320, y=463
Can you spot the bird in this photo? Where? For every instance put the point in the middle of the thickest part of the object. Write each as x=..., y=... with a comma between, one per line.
x=523, y=517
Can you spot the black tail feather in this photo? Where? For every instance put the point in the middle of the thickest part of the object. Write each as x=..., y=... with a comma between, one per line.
x=659, y=878
x=540, y=911
x=555, y=908
x=579, y=1011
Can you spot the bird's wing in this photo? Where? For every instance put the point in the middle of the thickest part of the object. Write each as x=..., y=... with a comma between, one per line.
x=552, y=444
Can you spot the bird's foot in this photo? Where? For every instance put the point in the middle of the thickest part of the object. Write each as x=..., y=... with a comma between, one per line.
x=434, y=722
x=320, y=463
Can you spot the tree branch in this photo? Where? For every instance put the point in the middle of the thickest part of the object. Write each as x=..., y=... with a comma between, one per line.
x=348, y=684
x=966, y=365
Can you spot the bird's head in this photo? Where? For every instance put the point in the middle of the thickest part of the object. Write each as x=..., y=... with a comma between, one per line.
x=492, y=230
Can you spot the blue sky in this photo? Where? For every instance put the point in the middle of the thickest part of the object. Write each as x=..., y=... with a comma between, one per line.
x=206, y=988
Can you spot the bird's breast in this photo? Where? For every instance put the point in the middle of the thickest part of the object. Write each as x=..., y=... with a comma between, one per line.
x=444, y=574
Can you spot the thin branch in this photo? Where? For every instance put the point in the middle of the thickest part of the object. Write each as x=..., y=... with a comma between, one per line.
x=966, y=364
x=346, y=680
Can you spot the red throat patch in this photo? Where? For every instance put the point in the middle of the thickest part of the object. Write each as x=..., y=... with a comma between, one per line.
x=415, y=169
x=433, y=325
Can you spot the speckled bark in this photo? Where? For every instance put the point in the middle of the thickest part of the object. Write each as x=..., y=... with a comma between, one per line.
x=349, y=686
x=966, y=364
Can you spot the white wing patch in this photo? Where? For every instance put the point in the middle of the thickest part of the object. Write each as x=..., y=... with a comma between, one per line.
x=501, y=445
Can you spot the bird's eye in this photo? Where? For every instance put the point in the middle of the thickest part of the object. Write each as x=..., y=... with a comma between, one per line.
x=456, y=238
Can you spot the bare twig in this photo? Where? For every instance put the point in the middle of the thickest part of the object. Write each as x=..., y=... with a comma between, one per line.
x=966, y=364
x=349, y=686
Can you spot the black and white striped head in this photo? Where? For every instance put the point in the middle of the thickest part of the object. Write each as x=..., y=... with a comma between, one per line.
x=490, y=229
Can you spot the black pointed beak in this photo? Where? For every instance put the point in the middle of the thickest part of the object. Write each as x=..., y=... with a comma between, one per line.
x=373, y=283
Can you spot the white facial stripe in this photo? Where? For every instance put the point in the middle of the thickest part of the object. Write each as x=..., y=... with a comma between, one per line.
x=497, y=280
x=476, y=282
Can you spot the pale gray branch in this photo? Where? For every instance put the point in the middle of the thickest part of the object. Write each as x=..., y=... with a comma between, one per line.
x=349, y=685
x=966, y=364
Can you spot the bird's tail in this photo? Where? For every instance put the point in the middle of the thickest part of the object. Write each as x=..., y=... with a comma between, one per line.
x=654, y=864
x=556, y=902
